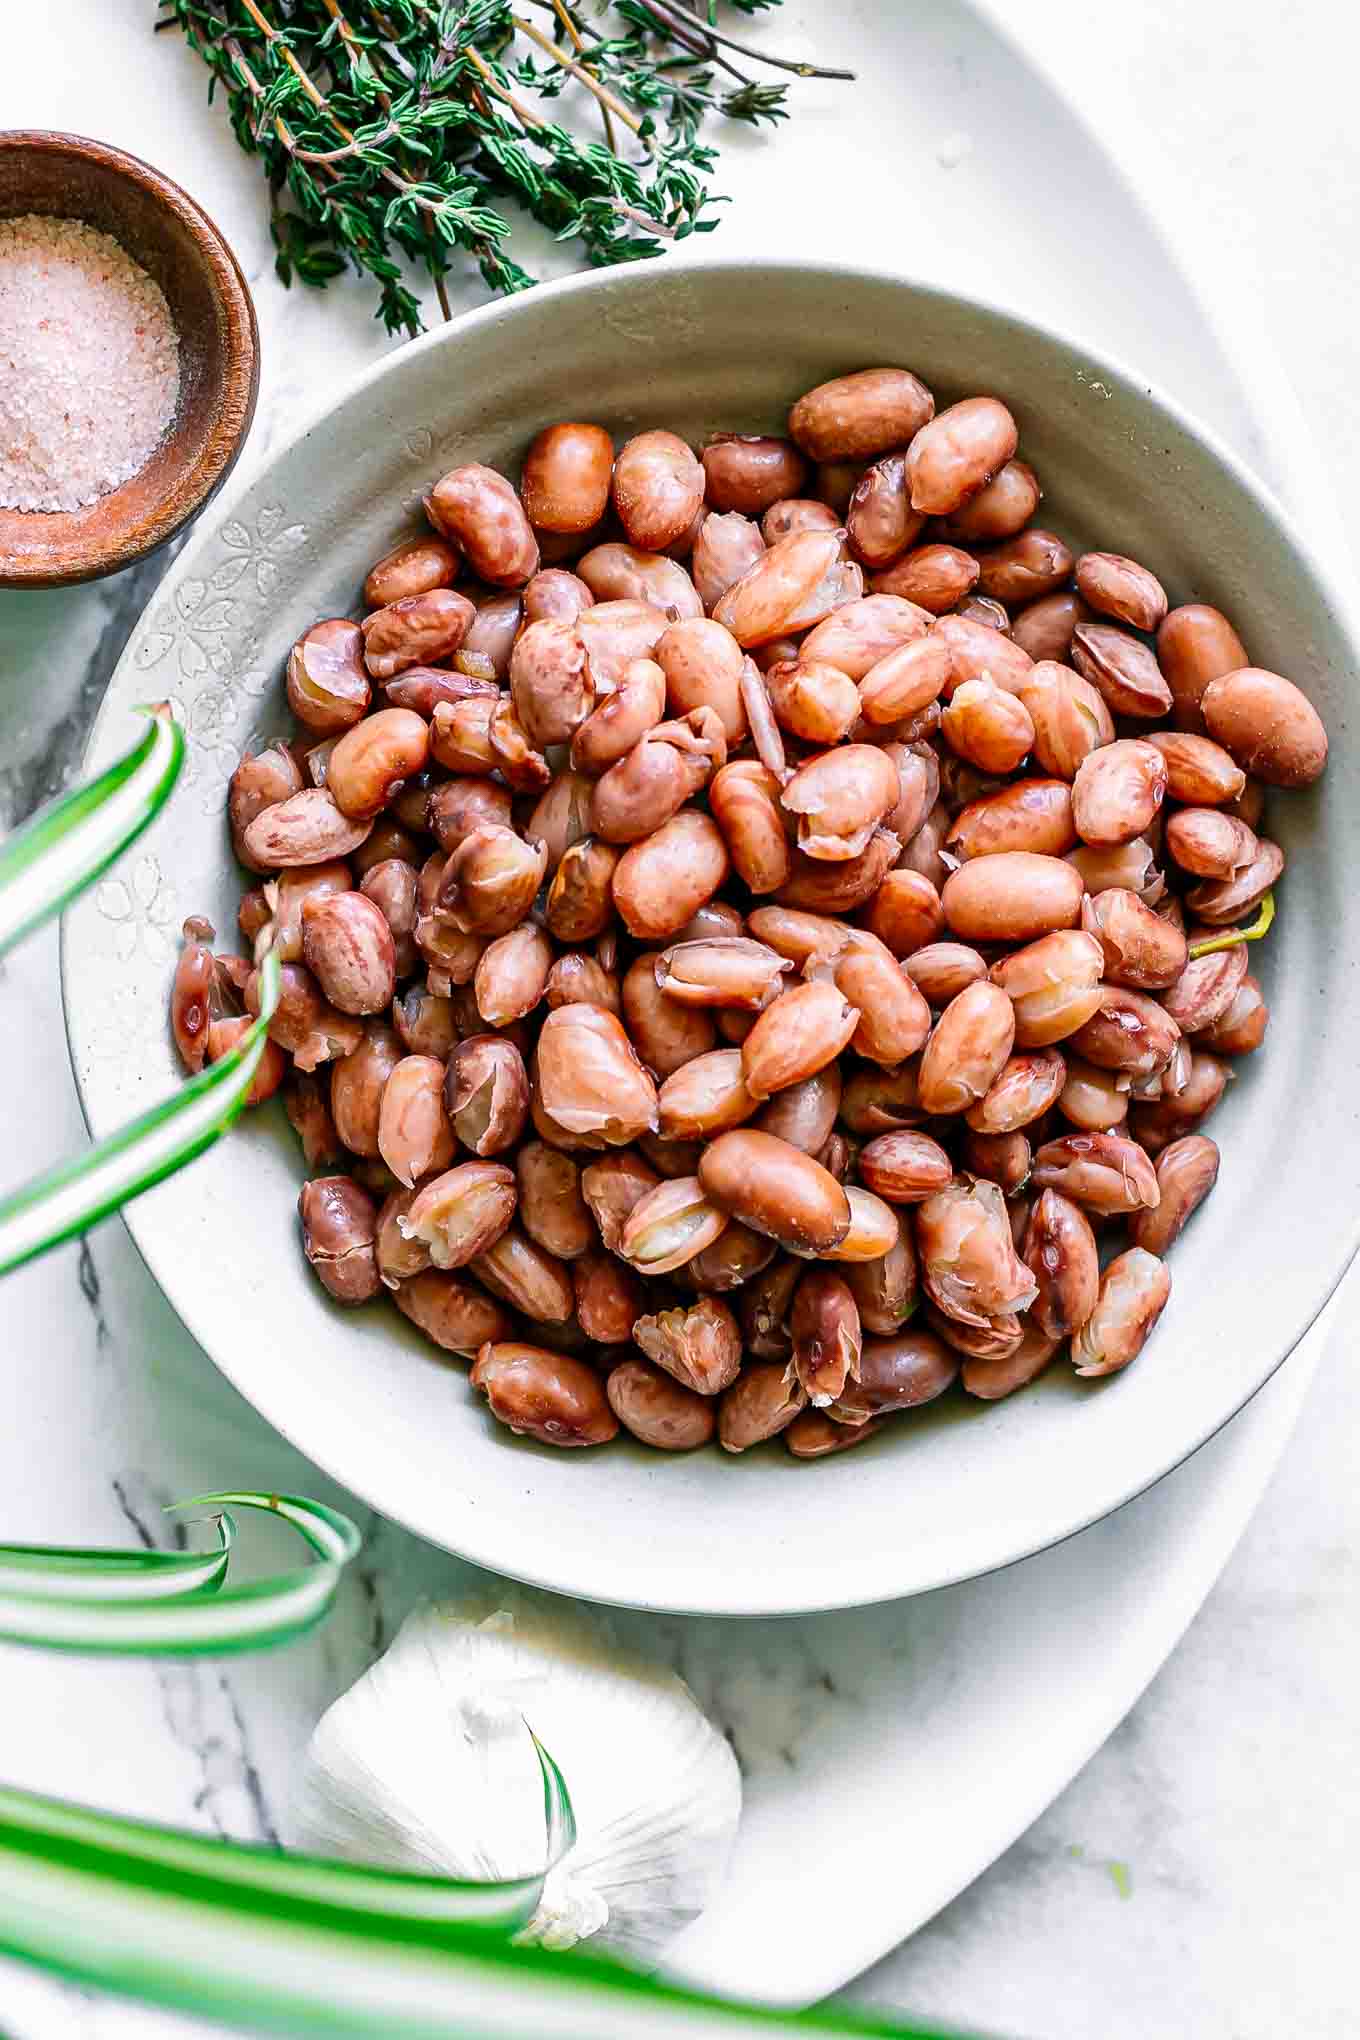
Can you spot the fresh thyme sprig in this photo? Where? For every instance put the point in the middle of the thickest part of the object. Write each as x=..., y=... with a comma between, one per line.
x=393, y=133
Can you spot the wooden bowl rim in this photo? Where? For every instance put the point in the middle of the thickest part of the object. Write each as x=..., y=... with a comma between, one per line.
x=83, y=558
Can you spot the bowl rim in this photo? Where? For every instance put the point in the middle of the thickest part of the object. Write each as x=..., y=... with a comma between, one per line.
x=777, y=1601
x=235, y=399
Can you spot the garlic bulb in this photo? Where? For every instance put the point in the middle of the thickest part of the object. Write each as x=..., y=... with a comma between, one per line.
x=427, y=1764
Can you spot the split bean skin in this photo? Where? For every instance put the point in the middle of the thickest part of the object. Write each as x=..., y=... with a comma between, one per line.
x=736, y=905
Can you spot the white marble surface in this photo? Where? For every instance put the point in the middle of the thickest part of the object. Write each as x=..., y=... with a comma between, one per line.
x=1197, y=1876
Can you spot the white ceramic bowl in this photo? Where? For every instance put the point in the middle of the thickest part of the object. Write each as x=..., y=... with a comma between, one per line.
x=934, y=1498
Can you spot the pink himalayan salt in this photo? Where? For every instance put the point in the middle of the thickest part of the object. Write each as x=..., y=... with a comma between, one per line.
x=89, y=364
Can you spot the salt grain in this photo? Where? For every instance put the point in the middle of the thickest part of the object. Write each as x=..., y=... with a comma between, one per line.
x=89, y=364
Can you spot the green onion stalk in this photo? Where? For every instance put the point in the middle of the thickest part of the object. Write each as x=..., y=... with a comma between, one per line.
x=247, y=1935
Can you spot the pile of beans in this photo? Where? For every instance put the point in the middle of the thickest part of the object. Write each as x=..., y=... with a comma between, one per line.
x=755, y=923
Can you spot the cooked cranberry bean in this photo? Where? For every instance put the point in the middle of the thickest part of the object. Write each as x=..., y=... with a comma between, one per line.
x=988, y=726
x=747, y=473
x=824, y=1325
x=1142, y=949
x=957, y=453
x=969, y=1266
x=263, y=779
x=1182, y=1112
x=564, y=483
x=860, y=633
x=658, y=486
x=1053, y=985
x=1011, y=897
x=357, y=1084
x=1117, y=792
x=412, y=568
x=660, y=883
x=658, y=1411
x=1127, y=1032
x=727, y=547
x=623, y=573
x=1033, y=815
x=1224, y=900
x=328, y=688
x=1118, y=587
x=797, y=513
x=1241, y=1029
x=1122, y=667
x=455, y=1314
x=905, y=1168
x=486, y=1094
x=1133, y=1294
x=905, y=680
x=480, y=511
x=590, y=1076
x=967, y=1049
x=880, y=522
x=856, y=417
x=545, y=1395
x=306, y=829
x=932, y=577
x=1025, y=568
x=347, y=945
x=1060, y=1250
x=792, y=586
x=758, y=1406
x=775, y=1189
x=490, y=880
x=1044, y=628
x=1196, y=644
x=744, y=800
x=941, y=970
x=1268, y=724
x=977, y=652
x=1001, y=509
x=339, y=1225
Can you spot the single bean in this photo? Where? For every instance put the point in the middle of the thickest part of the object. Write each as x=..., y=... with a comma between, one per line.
x=621, y=573
x=1198, y=771
x=658, y=1411
x=1011, y=897
x=734, y=1258
x=969, y=1267
x=812, y=700
x=463, y=1211
x=491, y=634
x=357, y=1084
x=804, y=1114
x=1196, y=644
x=425, y=1023
x=486, y=1094
x=564, y=482
x=347, y=945
x=412, y=568
x=225, y=1035
x=1002, y=1158
x=894, y=1017
x=1133, y=1294
x=1071, y=721
x=1206, y=989
x=721, y=970
x=460, y=741
x=1209, y=843
x=455, y=1314
x=804, y=1029
x=758, y=1406
x=701, y=667
x=840, y=797
x=668, y=766
x=815, y=1434
x=932, y=577
x=616, y=633
x=905, y=1168
x=1106, y=1172
x=918, y=787
x=957, y=453
x=977, y=652
x=555, y=595
x=990, y=1379
x=1187, y=1170
x=665, y=1033
x=658, y=487
x=1268, y=724
x=415, y=1138
x=490, y=880
x=263, y=779
x=552, y=1397
x=997, y=1339
x=798, y=513
x=1129, y=866
x=512, y=975
x=482, y=513
x=414, y=631
x=531, y=1281
x=559, y=819
x=727, y=547
x=1025, y=568
x=1033, y=815
x=327, y=686
x=1044, y=628
x=391, y=885
x=791, y=587
x=744, y=800
x=825, y=1328
x=857, y=635
x=1094, y=1100
x=576, y=980
x=1000, y=509
x=1053, y=984
x=590, y=1077
x=1122, y=668
x=669, y=1225
x=706, y=1097
x=397, y=1257
x=551, y=684
x=941, y=970
x=1172, y=1115
x=879, y=1101
x=307, y=1103
x=339, y=1226
x=1127, y=1032
x=1219, y=902
x=988, y=726
x=1118, y=587
x=1117, y=792
x=612, y=1187
x=745, y=472
x=1023, y=1089
x=1142, y=949
x=372, y=762
x=880, y=522
x=905, y=680
x=775, y=1189
x=580, y=900
x=306, y=829
x=1242, y=1028
x=609, y=1298
x=1060, y=1250
x=897, y=1371
x=967, y=1049
x=660, y=883
x=764, y=1307
x=856, y=417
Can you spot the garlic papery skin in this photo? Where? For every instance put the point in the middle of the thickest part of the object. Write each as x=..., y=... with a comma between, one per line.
x=427, y=1764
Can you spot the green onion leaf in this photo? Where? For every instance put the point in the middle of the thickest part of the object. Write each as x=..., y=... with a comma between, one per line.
x=76, y=1195
x=155, y=1602
x=71, y=841
x=1232, y=936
